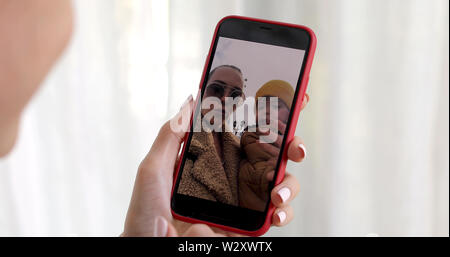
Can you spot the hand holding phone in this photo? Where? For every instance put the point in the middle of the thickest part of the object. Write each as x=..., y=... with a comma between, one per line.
x=224, y=81
x=149, y=210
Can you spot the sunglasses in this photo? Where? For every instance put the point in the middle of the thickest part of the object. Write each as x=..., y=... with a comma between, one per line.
x=221, y=90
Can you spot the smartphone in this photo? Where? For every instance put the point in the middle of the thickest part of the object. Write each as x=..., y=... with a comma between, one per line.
x=234, y=153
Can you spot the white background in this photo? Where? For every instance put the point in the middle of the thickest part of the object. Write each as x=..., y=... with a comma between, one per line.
x=259, y=63
x=376, y=128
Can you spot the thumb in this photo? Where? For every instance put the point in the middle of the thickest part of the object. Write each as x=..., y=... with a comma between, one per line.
x=153, y=184
x=163, y=228
x=167, y=144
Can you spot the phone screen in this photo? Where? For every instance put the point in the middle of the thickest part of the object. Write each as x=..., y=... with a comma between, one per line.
x=239, y=126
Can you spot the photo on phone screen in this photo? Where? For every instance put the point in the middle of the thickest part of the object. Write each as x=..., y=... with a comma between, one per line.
x=238, y=133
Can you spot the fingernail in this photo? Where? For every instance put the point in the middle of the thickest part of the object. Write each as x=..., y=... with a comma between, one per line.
x=302, y=146
x=282, y=216
x=284, y=194
x=188, y=100
x=160, y=227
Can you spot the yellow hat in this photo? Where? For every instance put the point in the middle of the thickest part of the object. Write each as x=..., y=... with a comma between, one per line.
x=277, y=88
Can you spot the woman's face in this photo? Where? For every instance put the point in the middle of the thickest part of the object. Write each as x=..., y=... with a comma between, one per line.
x=33, y=35
x=224, y=82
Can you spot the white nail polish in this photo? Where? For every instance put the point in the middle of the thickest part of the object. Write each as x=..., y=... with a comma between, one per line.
x=302, y=146
x=282, y=216
x=284, y=193
x=160, y=229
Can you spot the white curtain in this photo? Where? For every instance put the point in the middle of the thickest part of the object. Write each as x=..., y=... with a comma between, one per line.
x=376, y=128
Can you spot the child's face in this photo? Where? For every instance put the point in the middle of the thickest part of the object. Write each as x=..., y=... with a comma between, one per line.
x=33, y=35
x=280, y=107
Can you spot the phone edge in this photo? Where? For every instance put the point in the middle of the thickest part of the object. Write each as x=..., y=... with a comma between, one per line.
x=281, y=172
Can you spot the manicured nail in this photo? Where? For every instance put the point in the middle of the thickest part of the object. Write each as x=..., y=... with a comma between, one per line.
x=302, y=146
x=188, y=100
x=160, y=227
x=284, y=194
x=282, y=216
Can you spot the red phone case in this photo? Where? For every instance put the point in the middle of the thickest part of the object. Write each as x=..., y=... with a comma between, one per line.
x=291, y=130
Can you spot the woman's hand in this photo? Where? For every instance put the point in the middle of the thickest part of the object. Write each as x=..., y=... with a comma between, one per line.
x=149, y=211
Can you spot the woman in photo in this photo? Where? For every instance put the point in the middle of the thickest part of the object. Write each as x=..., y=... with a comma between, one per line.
x=212, y=165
